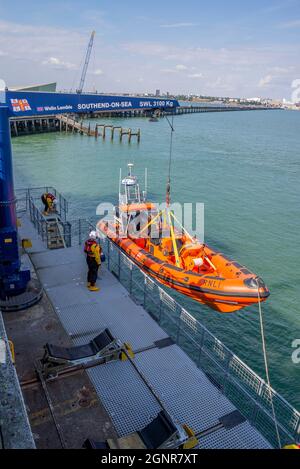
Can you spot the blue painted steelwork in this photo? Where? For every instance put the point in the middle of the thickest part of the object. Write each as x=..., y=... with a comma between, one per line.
x=34, y=103
x=13, y=281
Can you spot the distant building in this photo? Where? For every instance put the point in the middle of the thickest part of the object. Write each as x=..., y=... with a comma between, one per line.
x=157, y=93
x=254, y=100
x=46, y=87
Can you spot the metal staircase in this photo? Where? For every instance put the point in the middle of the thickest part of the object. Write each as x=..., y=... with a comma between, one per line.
x=55, y=234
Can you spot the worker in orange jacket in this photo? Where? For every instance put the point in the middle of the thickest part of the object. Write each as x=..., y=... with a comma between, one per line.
x=93, y=258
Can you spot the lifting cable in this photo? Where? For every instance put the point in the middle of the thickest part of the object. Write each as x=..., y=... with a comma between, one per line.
x=170, y=159
x=267, y=366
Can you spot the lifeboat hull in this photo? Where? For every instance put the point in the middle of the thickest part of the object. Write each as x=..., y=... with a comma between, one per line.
x=218, y=291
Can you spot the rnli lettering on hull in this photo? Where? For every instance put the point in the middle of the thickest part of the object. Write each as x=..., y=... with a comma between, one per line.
x=212, y=283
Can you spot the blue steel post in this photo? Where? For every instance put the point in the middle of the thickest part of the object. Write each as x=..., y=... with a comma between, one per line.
x=13, y=280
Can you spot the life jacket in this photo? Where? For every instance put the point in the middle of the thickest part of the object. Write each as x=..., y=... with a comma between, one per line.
x=50, y=196
x=88, y=246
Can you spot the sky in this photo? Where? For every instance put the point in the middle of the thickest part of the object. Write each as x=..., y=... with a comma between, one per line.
x=248, y=48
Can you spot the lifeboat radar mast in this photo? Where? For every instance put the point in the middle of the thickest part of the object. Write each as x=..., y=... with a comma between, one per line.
x=129, y=188
x=130, y=197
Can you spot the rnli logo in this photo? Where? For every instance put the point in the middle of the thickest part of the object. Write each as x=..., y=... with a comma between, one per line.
x=20, y=105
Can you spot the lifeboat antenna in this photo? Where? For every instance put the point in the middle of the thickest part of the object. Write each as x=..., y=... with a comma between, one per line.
x=146, y=185
x=120, y=182
x=130, y=168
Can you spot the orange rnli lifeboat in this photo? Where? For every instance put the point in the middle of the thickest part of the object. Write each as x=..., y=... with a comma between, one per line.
x=175, y=259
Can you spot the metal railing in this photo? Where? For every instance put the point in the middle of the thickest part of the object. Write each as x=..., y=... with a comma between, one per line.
x=34, y=194
x=243, y=387
x=62, y=207
x=44, y=225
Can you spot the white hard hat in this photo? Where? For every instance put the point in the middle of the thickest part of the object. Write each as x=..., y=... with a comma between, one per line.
x=93, y=235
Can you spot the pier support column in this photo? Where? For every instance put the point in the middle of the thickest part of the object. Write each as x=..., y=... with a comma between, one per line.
x=13, y=281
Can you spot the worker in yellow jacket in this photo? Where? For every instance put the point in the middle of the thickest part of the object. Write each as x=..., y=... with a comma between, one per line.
x=49, y=201
x=93, y=258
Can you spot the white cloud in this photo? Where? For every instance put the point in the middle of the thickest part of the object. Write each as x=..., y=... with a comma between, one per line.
x=178, y=25
x=177, y=68
x=195, y=75
x=97, y=72
x=265, y=81
x=181, y=67
x=168, y=70
x=280, y=70
x=59, y=64
x=161, y=63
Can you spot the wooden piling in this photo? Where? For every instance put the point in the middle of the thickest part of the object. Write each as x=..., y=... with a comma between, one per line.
x=114, y=128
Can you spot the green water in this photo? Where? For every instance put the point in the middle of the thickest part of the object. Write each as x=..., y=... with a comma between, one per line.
x=245, y=167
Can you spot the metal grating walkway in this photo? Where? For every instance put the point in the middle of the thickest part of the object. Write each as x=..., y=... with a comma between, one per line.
x=185, y=391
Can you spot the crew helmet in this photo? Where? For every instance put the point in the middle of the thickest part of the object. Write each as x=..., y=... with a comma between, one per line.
x=93, y=235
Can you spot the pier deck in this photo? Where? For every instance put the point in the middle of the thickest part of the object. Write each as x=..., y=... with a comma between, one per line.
x=186, y=392
x=24, y=125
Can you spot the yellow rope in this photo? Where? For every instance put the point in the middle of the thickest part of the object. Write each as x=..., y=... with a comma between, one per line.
x=173, y=240
x=182, y=227
x=151, y=222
